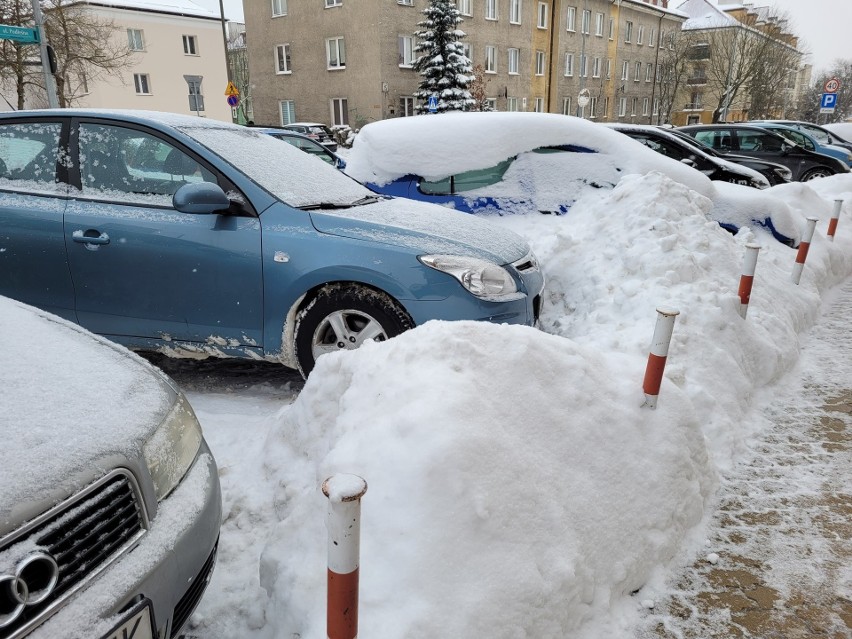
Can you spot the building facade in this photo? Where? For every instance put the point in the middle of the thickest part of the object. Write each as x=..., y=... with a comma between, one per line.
x=341, y=62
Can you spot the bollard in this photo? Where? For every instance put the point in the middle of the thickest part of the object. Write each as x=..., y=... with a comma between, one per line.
x=804, y=245
x=747, y=278
x=832, y=223
x=344, y=494
x=657, y=357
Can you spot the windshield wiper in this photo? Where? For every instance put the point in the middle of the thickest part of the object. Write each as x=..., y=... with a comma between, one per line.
x=368, y=199
x=323, y=206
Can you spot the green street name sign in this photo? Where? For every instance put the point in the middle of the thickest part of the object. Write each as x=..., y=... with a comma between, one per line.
x=21, y=34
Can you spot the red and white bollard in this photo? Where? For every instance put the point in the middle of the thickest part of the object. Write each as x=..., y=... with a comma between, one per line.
x=832, y=223
x=804, y=245
x=344, y=494
x=747, y=278
x=657, y=357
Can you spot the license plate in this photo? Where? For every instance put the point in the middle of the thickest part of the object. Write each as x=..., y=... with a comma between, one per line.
x=137, y=625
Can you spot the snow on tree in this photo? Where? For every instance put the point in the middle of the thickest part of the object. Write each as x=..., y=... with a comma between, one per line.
x=446, y=70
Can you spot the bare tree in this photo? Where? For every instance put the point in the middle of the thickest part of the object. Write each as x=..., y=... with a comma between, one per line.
x=677, y=69
x=478, y=90
x=86, y=47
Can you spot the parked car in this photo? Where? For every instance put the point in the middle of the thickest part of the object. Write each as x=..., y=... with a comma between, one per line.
x=306, y=144
x=823, y=135
x=517, y=163
x=748, y=139
x=110, y=505
x=774, y=173
x=674, y=147
x=808, y=142
x=316, y=131
x=196, y=237
x=843, y=129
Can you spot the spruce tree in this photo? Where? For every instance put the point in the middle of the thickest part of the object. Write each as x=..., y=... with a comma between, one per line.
x=446, y=70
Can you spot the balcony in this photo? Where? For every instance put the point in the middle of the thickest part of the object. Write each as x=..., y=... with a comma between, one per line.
x=693, y=106
x=696, y=80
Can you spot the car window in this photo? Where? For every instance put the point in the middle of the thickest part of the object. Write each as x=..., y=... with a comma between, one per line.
x=718, y=139
x=28, y=156
x=467, y=181
x=308, y=146
x=662, y=146
x=797, y=138
x=131, y=165
x=759, y=141
x=821, y=136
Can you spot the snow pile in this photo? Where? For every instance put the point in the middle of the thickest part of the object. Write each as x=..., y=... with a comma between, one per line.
x=516, y=485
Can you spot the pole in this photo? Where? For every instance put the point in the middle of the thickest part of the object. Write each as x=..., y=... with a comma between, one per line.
x=657, y=357
x=804, y=246
x=225, y=40
x=49, y=81
x=832, y=224
x=747, y=277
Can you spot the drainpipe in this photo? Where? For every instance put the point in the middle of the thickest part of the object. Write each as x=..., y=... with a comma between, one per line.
x=656, y=70
x=552, y=64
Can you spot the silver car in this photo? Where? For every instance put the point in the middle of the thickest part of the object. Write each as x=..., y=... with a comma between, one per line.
x=110, y=505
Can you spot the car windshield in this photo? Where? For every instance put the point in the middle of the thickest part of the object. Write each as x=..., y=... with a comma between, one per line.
x=279, y=168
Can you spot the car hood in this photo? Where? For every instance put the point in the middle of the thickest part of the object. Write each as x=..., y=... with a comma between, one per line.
x=425, y=228
x=75, y=405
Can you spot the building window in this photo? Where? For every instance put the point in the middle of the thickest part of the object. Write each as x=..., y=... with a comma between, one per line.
x=622, y=107
x=587, y=21
x=608, y=68
x=571, y=19
x=511, y=104
x=135, y=41
x=656, y=106
x=490, y=9
x=628, y=31
x=190, y=45
x=333, y=3
x=566, y=106
x=408, y=3
x=464, y=7
x=406, y=51
x=406, y=106
x=645, y=103
x=490, y=59
x=542, y=15
x=596, y=68
x=605, y=113
x=569, y=64
x=515, y=11
x=538, y=105
x=279, y=8
x=649, y=72
x=633, y=106
x=625, y=70
x=638, y=72
x=584, y=65
x=288, y=111
x=640, y=32
x=335, y=52
x=539, y=62
x=514, y=61
x=599, y=22
x=339, y=111
x=465, y=49
x=282, y=58
x=662, y=37
x=143, y=84
x=491, y=103
x=196, y=98
x=651, y=37
x=593, y=107
x=611, y=28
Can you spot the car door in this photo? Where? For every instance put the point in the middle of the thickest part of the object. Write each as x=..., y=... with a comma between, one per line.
x=33, y=196
x=141, y=268
x=769, y=146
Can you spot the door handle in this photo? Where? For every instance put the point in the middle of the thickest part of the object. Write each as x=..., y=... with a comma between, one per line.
x=90, y=237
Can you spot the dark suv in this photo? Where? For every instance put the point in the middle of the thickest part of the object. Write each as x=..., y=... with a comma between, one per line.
x=744, y=139
x=316, y=131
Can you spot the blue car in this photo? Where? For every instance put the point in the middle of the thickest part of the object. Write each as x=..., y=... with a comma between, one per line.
x=807, y=141
x=195, y=237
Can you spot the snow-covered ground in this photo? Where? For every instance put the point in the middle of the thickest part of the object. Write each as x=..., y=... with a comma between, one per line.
x=517, y=487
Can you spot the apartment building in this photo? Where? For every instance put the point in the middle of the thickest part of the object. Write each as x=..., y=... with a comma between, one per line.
x=350, y=61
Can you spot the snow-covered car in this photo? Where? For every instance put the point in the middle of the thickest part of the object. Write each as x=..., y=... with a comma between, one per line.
x=843, y=129
x=110, y=505
x=520, y=163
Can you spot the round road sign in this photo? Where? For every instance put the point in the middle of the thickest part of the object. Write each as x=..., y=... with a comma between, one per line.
x=832, y=85
x=233, y=100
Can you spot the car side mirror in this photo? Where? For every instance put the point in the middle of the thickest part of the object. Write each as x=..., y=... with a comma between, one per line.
x=689, y=162
x=200, y=197
x=340, y=163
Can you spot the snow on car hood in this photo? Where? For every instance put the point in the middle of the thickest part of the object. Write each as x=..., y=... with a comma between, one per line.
x=424, y=227
x=70, y=399
x=436, y=146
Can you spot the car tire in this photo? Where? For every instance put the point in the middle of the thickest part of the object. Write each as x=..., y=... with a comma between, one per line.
x=818, y=172
x=342, y=317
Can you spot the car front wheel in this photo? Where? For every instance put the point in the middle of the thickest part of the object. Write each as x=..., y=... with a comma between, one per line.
x=819, y=172
x=342, y=317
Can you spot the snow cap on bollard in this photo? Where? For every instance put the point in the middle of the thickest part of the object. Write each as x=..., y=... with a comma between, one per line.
x=832, y=223
x=657, y=357
x=747, y=277
x=804, y=245
x=344, y=494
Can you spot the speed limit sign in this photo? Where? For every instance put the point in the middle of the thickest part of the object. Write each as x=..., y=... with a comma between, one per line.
x=832, y=85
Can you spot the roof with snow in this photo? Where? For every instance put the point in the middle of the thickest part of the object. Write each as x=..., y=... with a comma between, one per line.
x=705, y=14
x=174, y=7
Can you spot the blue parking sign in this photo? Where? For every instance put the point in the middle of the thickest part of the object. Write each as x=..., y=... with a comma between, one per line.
x=433, y=103
x=828, y=103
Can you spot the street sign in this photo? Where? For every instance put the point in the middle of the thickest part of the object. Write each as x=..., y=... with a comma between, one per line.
x=21, y=34
x=828, y=103
x=231, y=89
x=433, y=103
x=832, y=85
x=233, y=100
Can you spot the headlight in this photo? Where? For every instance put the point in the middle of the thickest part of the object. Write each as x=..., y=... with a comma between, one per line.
x=784, y=172
x=484, y=279
x=172, y=448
